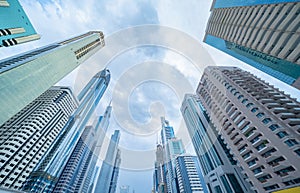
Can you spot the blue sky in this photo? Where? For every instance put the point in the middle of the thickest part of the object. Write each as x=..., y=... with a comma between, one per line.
x=147, y=92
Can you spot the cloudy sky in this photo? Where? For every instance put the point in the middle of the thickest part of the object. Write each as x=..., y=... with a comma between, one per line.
x=155, y=53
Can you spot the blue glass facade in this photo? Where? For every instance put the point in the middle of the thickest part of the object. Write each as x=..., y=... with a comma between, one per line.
x=47, y=172
x=16, y=27
x=107, y=179
x=214, y=156
x=283, y=70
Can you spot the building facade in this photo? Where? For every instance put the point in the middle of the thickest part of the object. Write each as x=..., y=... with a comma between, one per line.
x=20, y=80
x=27, y=136
x=107, y=179
x=159, y=183
x=259, y=123
x=16, y=28
x=165, y=178
x=220, y=170
x=262, y=34
x=188, y=174
x=46, y=174
x=78, y=172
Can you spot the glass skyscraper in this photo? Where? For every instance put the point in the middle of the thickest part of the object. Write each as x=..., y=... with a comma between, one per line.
x=15, y=27
x=263, y=34
x=259, y=123
x=165, y=176
x=47, y=172
x=26, y=76
x=26, y=137
x=108, y=176
x=219, y=168
x=77, y=174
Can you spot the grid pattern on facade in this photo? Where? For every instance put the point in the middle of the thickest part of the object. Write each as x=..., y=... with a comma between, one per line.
x=26, y=137
x=259, y=123
x=270, y=29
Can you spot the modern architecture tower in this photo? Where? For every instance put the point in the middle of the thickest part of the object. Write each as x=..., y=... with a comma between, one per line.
x=159, y=184
x=187, y=172
x=26, y=76
x=259, y=123
x=165, y=176
x=263, y=34
x=77, y=174
x=219, y=168
x=107, y=179
x=26, y=136
x=16, y=27
x=47, y=172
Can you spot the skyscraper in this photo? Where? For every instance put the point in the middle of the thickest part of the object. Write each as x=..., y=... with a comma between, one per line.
x=16, y=27
x=46, y=173
x=172, y=147
x=107, y=179
x=77, y=174
x=165, y=174
x=26, y=136
x=187, y=172
x=26, y=76
x=263, y=34
x=219, y=168
x=259, y=123
x=159, y=184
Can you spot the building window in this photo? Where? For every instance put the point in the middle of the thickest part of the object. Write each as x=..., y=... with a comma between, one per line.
x=254, y=109
x=273, y=127
x=291, y=142
x=297, y=152
x=282, y=134
x=260, y=115
x=249, y=105
x=266, y=120
x=264, y=178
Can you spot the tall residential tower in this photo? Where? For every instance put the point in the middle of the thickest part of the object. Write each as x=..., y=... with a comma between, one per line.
x=219, y=168
x=26, y=137
x=259, y=123
x=263, y=34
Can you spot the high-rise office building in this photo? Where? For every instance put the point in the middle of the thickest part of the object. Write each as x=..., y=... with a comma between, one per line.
x=165, y=175
x=107, y=179
x=220, y=170
x=159, y=184
x=77, y=174
x=26, y=136
x=46, y=174
x=172, y=147
x=263, y=34
x=26, y=76
x=259, y=123
x=16, y=27
x=187, y=172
